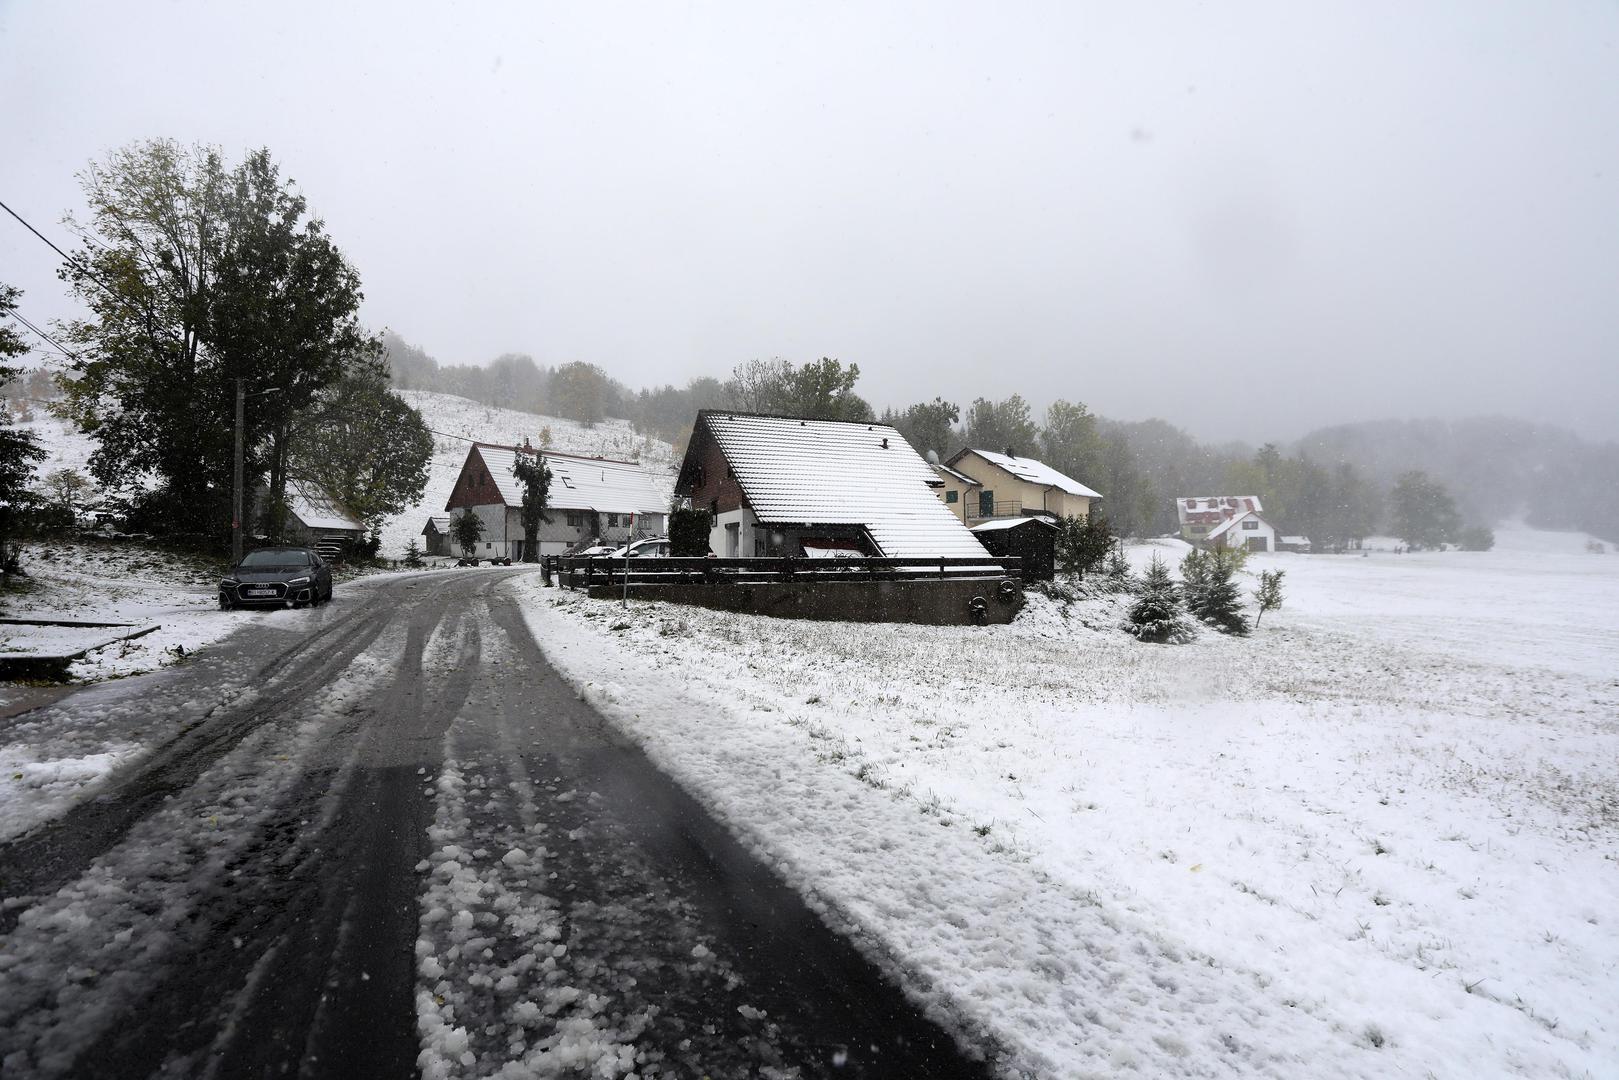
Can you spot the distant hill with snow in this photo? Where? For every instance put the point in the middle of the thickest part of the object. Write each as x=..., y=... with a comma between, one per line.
x=458, y=421
x=65, y=447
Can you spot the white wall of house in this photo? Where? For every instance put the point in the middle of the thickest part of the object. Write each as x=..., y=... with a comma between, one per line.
x=740, y=524
x=494, y=544
x=1250, y=528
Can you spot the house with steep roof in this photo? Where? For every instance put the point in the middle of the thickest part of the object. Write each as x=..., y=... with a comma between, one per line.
x=987, y=485
x=1247, y=530
x=590, y=498
x=1199, y=515
x=788, y=485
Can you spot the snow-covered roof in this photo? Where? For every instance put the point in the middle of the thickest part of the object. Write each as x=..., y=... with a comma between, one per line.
x=1230, y=523
x=317, y=510
x=438, y=522
x=1186, y=505
x=582, y=483
x=1032, y=471
x=997, y=524
x=962, y=477
x=1295, y=540
x=833, y=472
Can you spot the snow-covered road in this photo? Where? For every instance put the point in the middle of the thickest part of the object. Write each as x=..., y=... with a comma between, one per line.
x=385, y=837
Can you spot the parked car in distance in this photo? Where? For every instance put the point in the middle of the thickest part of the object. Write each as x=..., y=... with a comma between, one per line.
x=276, y=577
x=594, y=551
x=653, y=547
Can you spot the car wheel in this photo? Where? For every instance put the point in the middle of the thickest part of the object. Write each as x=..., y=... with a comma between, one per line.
x=225, y=605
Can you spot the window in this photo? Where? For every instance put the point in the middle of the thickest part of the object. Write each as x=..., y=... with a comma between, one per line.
x=950, y=496
x=758, y=547
x=576, y=519
x=986, y=504
x=612, y=521
x=1250, y=524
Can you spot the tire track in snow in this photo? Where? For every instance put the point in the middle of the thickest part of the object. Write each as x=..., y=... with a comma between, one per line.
x=581, y=914
x=79, y=963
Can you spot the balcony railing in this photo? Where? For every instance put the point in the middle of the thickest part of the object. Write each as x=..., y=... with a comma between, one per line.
x=1003, y=508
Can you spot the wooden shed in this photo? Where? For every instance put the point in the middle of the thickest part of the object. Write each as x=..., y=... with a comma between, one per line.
x=1032, y=539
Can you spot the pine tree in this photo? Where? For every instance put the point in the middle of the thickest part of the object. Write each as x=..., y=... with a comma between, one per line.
x=413, y=554
x=1156, y=616
x=1269, y=593
x=1211, y=589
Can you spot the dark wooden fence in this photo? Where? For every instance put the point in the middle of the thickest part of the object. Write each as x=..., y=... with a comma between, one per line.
x=581, y=572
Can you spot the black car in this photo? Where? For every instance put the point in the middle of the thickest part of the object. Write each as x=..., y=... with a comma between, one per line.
x=276, y=577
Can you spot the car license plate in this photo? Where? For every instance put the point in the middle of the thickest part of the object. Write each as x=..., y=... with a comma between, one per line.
x=258, y=592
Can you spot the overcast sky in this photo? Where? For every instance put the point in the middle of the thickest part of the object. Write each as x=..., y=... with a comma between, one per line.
x=1249, y=219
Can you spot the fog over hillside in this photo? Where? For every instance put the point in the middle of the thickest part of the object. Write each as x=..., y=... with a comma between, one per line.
x=1497, y=468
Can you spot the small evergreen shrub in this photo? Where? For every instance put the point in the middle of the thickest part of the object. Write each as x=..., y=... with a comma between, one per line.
x=1156, y=615
x=1211, y=589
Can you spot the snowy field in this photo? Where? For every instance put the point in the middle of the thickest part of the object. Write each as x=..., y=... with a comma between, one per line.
x=1380, y=837
x=457, y=420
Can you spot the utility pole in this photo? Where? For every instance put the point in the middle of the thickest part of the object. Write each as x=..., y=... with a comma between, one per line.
x=236, y=494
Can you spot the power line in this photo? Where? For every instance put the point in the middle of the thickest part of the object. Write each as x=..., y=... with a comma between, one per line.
x=42, y=334
x=36, y=232
x=83, y=266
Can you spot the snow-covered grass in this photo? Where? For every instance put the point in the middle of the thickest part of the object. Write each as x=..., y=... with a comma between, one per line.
x=1379, y=837
x=117, y=582
x=458, y=419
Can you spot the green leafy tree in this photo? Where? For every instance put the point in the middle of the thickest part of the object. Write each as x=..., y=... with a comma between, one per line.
x=1001, y=425
x=196, y=275
x=928, y=425
x=1269, y=593
x=824, y=390
x=582, y=392
x=1476, y=538
x=365, y=446
x=1083, y=543
x=1131, y=498
x=1157, y=615
x=1069, y=441
x=1422, y=512
x=535, y=477
x=1350, y=511
x=467, y=529
x=20, y=451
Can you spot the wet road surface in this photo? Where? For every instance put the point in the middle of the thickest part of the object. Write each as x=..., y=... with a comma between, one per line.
x=402, y=845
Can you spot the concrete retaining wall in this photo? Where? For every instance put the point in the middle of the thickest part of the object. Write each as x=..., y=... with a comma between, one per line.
x=931, y=602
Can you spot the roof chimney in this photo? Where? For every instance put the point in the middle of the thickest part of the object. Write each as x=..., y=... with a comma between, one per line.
x=933, y=457
x=1009, y=452
x=885, y=443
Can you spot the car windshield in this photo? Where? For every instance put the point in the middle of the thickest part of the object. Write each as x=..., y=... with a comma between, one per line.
x=265, y=560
